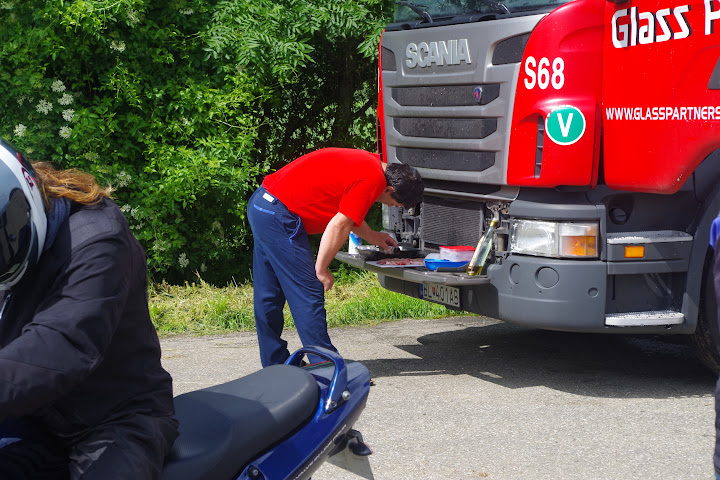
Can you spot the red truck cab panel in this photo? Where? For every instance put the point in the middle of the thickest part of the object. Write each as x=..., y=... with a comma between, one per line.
x=660, y=114
x=555, y=134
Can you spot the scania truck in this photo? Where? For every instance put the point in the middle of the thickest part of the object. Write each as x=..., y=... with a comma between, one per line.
x=589, y=130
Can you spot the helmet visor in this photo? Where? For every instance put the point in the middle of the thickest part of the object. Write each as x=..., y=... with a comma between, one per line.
x=15, y=235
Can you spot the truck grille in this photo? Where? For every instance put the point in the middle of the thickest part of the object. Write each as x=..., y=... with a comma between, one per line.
x=457, y=160
x=450, y=222
x=467, y=128
x=445, y=127
x=452, y=119
x=445, y=95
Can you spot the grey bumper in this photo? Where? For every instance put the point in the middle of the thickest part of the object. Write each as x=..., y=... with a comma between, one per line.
x=538, y=292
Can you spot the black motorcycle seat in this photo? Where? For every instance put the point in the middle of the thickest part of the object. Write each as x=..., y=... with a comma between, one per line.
x=225, y=426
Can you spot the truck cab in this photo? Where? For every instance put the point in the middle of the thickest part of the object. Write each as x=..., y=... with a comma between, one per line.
x=588, y=130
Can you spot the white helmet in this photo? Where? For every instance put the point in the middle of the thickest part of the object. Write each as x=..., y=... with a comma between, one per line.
x=23, y=222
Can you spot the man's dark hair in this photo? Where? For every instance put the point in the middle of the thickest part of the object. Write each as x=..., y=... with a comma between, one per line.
x=406, y=182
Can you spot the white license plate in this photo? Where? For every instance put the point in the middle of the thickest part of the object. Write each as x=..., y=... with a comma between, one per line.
x=441, y=294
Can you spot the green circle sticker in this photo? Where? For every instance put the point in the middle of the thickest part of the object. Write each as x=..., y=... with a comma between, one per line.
x=565, y=125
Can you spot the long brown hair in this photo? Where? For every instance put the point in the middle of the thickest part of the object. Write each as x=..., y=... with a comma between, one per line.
x=72, y=184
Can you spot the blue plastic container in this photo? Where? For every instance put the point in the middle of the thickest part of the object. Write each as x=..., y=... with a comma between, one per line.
x=434, y=263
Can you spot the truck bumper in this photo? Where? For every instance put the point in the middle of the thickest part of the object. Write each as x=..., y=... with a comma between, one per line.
x=525, y=290
x=533, y=290
x=539, y=292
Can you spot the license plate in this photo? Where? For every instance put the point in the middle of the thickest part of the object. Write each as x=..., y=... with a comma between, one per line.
x=441, y=294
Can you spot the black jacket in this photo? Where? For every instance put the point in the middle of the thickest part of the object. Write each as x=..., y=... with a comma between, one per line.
x=77, y=346
x=716, y=282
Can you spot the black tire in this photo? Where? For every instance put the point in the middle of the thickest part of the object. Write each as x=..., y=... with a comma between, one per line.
x=706, y=339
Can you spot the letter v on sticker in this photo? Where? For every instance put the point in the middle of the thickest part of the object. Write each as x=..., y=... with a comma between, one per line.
x=565, y=125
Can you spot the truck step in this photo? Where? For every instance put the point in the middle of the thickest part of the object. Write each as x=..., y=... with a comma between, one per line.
x=643, y=319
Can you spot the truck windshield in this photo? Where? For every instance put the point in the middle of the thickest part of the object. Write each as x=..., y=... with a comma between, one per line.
x=439, y=10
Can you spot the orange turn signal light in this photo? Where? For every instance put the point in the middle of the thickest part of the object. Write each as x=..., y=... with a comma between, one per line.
x=635, y=251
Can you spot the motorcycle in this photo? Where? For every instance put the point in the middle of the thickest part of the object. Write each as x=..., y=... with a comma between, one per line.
x=279, y=423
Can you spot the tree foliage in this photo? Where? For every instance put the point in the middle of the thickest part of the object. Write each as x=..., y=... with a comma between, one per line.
x=183, y=105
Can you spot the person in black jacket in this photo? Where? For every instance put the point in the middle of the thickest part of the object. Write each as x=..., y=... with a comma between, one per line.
x=715, y=245
x=82, y=392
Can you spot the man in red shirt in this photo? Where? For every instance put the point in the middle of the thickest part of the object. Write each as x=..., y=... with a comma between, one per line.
x=328, y=191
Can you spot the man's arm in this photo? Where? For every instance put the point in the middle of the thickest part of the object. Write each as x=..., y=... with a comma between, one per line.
x=335, y=235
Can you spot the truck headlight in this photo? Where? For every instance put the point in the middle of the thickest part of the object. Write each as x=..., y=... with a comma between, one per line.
x=554, y=239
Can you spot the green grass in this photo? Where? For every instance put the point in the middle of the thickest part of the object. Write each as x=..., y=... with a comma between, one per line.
x=355, y=299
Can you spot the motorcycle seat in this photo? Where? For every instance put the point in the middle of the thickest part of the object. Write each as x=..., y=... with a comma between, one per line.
x=222, y=428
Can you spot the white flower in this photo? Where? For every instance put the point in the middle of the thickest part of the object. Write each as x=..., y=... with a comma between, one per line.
x=44, y=107
x=160, y=245
x=66, y=99
x=21, y=99
x=20, y=130
x=203, y=267
x=58, y=86
x=118, y=46
x=92, y=156
x=65, y=132
x=68, y=115
x=123, y=179
x=133, y=17
x=183, y=261
x=125, y=208
x=187, y=11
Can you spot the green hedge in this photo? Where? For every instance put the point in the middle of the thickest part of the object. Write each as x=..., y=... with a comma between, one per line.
x=184, y=105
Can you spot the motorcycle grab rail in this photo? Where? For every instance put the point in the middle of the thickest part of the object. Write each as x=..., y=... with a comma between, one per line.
x=338, y=386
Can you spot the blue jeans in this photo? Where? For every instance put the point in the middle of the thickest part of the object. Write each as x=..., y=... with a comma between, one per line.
x=284, y=269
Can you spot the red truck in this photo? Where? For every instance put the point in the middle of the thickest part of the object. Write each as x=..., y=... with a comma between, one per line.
x=589, y=130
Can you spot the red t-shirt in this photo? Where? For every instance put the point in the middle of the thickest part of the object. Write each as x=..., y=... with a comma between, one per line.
x=317, y=186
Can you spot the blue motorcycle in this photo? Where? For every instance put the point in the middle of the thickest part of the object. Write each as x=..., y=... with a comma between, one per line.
x=279, y=423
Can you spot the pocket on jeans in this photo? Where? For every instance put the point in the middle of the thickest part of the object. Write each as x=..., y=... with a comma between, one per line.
x=274, y=227
x=292, y=224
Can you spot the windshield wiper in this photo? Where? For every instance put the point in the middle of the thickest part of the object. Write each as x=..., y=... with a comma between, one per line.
x=496, y=5
x=419, y=9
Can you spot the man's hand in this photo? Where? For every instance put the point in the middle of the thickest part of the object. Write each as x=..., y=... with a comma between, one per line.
x=381, y=239
x=326, y=278
x=384, y=241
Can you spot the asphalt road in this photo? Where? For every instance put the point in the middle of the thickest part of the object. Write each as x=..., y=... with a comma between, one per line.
x=472, y=398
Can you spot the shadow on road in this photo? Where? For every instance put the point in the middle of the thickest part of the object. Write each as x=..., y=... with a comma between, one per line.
x=613, y=366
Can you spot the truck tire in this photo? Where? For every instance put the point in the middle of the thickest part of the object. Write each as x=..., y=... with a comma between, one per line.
x=706, y=339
